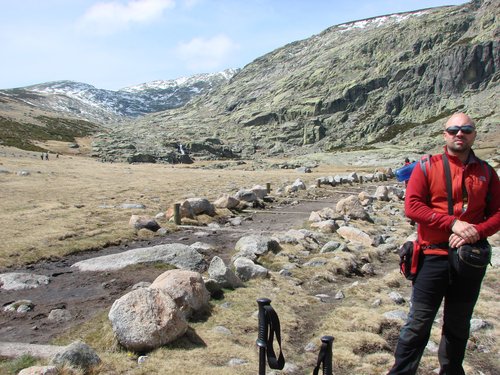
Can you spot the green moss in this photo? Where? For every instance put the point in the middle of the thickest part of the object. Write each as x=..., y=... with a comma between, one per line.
x=15, y=365
x=22, y=135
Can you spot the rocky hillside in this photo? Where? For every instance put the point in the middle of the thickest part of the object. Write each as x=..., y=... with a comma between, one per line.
x=379, y=82
x=27, y=112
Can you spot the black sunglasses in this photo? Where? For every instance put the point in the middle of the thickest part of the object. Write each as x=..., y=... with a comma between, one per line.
x=466, y=129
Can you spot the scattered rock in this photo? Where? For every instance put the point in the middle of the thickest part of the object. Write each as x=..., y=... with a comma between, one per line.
x=223, y=275
x=143, y=222
x=77, y=355
x=22, y=280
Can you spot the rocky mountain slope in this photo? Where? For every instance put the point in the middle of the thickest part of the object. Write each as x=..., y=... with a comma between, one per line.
x=384, y=82
x=33, y=109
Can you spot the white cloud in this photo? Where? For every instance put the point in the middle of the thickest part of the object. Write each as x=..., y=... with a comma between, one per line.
x=112, y=16
x=202, y=54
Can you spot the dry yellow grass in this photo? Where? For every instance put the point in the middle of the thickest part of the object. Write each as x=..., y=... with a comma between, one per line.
x=61, y=207
x=71, y=203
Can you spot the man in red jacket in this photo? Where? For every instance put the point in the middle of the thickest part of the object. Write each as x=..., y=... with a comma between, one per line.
x=476, y=215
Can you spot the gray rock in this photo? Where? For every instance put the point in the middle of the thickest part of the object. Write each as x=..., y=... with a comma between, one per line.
x=316, y=262
x=146, y=319
x=432, y=347
x=355, y=235
x=260, y=191
x=246, y=269
x=39, y=370
x=330, y=246
x=396, y=315
x=368, y=269
x=253, y=246
x=186, y=288
x=478, y=324
x=129, y=206
x=339, y=295
x=222, y=330
x=22, y=280
x=352, y=208
x=179, y=255
x=21, y=306
x=77, y=355
x=397, y=298
x=226, y=201
x=143, y=222
x=234, y=362
x=246, y=196
x=59, y=315
x=382, y=193
x=201, y=206
x=223, y=275
x=202, y=247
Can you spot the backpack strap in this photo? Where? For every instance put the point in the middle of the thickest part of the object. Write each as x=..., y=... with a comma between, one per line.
x=425, y=164
x=447, y=173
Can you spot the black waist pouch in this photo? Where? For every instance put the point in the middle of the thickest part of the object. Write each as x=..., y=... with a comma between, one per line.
x=470, y=261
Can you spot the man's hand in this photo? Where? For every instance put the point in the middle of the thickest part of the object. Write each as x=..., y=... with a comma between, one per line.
x=455, y=241
x=467, y=232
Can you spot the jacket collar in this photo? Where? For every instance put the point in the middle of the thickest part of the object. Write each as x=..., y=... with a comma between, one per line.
x=472, y=157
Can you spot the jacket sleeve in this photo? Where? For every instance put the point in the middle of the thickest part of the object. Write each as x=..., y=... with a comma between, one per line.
x=492, y=223
x=416, y=203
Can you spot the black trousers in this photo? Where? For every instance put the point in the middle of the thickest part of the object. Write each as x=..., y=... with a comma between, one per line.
x=433, y=284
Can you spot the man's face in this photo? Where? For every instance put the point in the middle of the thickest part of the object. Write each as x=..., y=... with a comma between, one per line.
x=459, y=134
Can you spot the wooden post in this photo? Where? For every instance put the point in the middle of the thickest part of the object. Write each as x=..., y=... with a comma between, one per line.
x=268, y=187
x=177, y=214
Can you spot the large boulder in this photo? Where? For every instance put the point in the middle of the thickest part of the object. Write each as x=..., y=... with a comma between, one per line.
x=146, y=319
x=186, y=288
x=176, y=254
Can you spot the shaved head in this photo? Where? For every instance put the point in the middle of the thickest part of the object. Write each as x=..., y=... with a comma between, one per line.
x=459, y=118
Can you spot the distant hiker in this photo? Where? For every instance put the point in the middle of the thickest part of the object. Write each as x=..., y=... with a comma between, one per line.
x=47, y=156
x=57, y=156
x=407, y=162
x=475, y=215
x=41, y=156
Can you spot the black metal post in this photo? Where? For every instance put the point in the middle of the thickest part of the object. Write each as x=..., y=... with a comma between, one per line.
x=327, y=364
x=263, y=334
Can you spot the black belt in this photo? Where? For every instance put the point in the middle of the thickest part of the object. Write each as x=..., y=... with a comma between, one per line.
x=442, y=245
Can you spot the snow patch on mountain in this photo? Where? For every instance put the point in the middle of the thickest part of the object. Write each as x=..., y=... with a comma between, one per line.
x=102, y=106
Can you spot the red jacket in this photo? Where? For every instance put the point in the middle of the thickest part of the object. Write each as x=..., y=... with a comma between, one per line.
x=426, y=199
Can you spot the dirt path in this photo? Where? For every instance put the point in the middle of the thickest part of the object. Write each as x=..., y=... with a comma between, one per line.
x=84, y=294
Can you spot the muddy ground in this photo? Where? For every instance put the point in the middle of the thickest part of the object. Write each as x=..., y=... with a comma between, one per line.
x=85, y=294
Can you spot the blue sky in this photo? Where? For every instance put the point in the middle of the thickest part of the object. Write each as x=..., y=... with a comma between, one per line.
x=113, y=44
